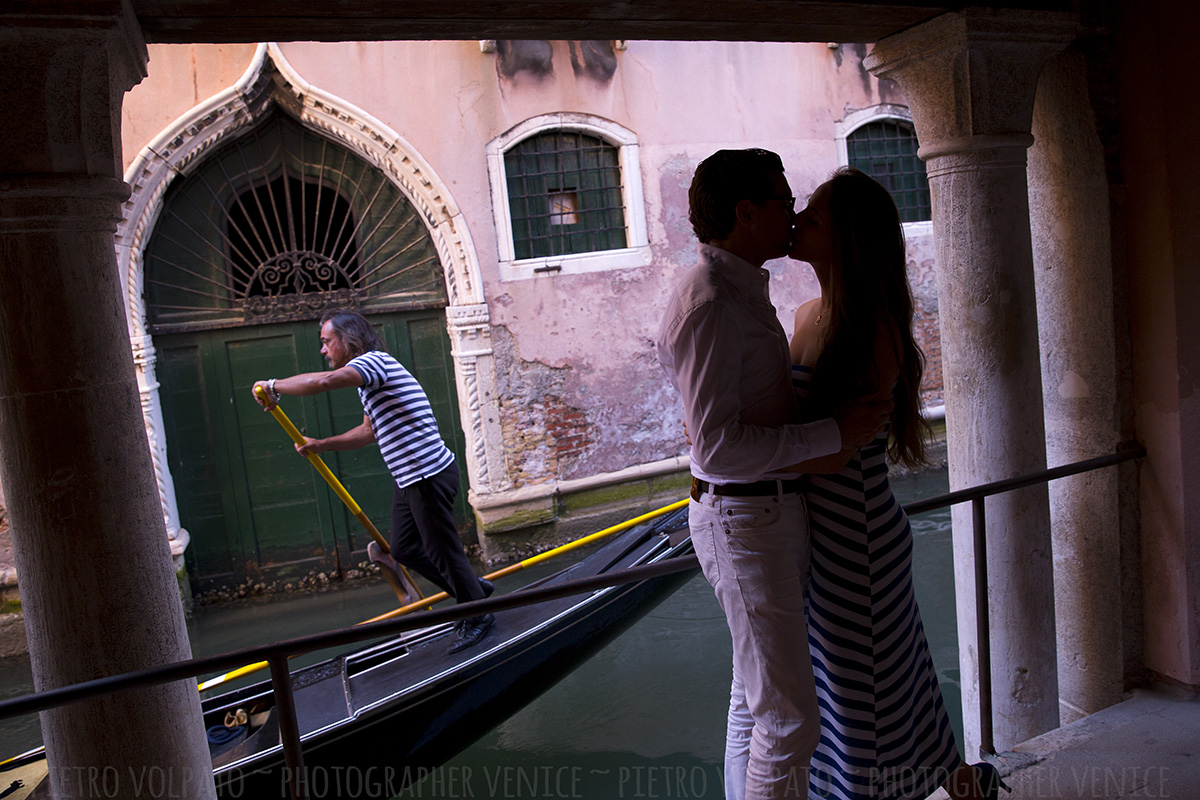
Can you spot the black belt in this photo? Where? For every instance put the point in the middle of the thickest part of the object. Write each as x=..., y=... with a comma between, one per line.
x=756, y=489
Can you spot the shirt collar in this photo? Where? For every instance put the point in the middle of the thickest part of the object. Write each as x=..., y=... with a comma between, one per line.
x=747, y=278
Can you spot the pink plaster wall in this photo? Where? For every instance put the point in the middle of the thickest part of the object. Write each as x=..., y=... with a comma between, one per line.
x=179, y=76
x=588, y=336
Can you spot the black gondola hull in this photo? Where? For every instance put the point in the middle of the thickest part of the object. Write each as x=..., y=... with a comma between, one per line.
x=384, y=719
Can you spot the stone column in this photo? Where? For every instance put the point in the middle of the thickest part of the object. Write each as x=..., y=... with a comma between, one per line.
x=98, y=589
x=970, y=79
x=1072, y=253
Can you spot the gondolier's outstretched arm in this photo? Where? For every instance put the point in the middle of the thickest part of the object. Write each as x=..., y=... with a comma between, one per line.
x=399, y=417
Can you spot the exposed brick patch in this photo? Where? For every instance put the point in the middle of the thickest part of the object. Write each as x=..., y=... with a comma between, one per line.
x=922, y=277
x=544, y=436
x=929, y=339
x=568, y=428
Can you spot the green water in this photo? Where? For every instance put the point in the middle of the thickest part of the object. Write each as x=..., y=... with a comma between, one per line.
x=644, y=718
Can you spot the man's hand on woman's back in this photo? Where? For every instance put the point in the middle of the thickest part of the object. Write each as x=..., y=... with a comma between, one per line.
x=860, y=420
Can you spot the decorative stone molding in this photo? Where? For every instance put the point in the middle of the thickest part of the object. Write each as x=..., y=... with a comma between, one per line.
x=471, y=346
x=981, y=59
x=268, y=82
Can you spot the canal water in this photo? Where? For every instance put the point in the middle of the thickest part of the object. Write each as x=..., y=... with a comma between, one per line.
x=644, y=718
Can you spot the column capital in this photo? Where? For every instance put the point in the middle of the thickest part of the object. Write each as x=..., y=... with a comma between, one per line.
x=65, y=73
x=972, y=73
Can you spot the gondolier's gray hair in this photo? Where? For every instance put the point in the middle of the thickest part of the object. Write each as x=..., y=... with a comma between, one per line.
x=356, y=332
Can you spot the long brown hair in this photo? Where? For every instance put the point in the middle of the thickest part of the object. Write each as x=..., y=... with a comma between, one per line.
x=357, y=334
x=869, y=296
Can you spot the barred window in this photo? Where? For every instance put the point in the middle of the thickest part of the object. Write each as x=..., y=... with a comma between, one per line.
x=564, y=195
x=887, y=151
x=567, y=197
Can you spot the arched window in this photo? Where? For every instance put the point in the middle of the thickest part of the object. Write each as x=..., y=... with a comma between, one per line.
x=281, y=224
x=885, y=147
x=291, y=236
x=564, y=195
x=567, y=196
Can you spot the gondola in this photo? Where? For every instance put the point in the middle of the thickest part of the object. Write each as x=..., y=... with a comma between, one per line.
x=386, y=714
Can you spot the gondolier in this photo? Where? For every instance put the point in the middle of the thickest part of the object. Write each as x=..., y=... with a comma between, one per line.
x=398, y=416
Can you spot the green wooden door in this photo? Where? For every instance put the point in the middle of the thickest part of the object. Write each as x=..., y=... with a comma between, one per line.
x=255, y=510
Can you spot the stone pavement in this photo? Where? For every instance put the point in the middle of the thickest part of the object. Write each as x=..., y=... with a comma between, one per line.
x=1147, y=746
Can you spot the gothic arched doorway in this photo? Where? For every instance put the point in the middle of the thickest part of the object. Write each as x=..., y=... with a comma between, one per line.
x=250, y=247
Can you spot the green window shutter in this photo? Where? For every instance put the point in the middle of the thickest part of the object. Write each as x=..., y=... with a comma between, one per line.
x=887, y=151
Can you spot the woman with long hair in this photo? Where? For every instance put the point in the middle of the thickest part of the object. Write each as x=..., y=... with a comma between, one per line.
x=885, y=733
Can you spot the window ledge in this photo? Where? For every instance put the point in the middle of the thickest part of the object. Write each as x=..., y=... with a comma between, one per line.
x=575, y=263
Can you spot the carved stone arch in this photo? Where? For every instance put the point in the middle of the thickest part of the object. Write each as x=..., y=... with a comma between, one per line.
x=884, y=112
x=270, y=82
x=856, y=119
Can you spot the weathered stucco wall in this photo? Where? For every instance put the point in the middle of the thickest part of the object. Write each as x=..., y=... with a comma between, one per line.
x=179, y=77
x=579, y=389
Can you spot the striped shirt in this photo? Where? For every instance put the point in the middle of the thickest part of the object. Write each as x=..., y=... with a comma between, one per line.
x=402, y=419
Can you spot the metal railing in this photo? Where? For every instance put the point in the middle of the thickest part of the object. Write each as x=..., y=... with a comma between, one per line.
x=975, y=496
x=277, y=653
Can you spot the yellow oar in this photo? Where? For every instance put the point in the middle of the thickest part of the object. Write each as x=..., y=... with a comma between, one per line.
x=538, y=559
x=402, y=593
x=500, y=573
x=329, y=477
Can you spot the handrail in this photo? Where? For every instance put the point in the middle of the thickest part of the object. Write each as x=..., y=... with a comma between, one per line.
x=179, y=670
x=976, y=496
x=1008, y=484
x=278, y=652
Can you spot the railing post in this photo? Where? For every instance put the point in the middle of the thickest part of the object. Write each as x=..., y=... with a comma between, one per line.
x=289, y=727
x=983, y=644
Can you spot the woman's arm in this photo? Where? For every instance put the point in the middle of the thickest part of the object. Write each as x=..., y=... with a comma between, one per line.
x=805, y=335
x=886, y=369
x=826, y=465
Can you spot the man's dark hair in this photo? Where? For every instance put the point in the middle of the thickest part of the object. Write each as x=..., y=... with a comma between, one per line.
x=356, y=333
x=722, y=181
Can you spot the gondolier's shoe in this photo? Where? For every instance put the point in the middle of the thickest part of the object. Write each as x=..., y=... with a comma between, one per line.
x=471, y=631
x=487, y=586
x=394, y=574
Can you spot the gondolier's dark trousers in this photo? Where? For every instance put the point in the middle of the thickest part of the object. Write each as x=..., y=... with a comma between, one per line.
x=424, y=537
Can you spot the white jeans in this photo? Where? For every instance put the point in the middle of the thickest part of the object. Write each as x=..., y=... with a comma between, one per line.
x=754, y=552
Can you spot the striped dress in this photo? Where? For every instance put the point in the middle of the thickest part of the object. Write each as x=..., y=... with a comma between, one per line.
x=885, y=733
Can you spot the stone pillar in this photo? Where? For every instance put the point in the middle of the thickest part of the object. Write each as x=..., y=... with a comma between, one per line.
x=970, y=79
x=1072, y=253
x=97, y=584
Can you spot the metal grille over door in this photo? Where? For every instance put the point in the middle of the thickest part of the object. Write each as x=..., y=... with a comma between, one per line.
x=282, y=224
x=251, y=246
